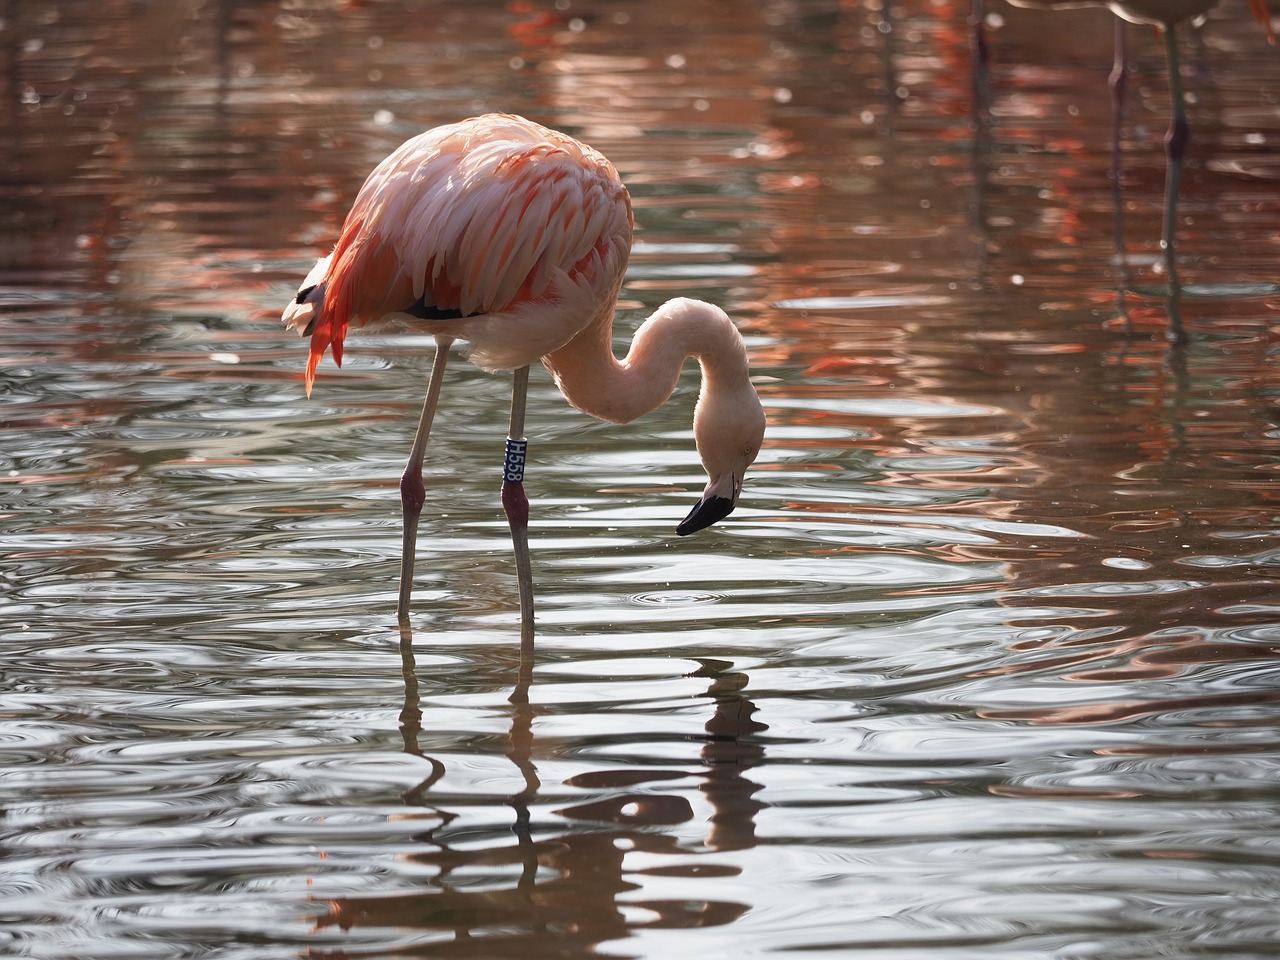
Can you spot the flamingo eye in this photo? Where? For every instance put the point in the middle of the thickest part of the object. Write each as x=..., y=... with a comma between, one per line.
x=304, y=293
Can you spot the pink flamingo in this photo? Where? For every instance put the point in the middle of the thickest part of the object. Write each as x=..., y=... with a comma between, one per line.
x=514, y=238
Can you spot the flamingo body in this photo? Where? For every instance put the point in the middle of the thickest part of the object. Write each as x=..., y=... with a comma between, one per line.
x=496, y=230
x=514, y=238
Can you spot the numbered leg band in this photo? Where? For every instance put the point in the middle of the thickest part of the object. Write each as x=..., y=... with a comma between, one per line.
x=513, y=465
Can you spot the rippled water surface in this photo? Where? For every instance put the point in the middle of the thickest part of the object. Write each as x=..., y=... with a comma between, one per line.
x=984, y=665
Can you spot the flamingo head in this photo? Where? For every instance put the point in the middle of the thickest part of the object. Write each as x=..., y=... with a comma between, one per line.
x=728, y=427
x=306, y=314
x=302, y=310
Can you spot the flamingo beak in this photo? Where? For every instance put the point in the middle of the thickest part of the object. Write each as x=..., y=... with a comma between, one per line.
x=704, y=513
x=713, y=506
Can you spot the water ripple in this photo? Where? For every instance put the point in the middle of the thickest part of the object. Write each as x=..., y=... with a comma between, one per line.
x=982, y=665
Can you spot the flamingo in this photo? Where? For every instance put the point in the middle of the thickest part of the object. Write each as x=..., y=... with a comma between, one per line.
x=1165, y=15
x=514, y=238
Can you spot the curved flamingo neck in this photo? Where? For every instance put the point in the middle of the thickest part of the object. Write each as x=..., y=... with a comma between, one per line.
x=596, y=382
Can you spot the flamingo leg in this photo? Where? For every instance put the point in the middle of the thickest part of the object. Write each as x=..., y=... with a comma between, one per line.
x=1175, y=143
x=1118, y=81
x=980, y=54
x=412, y=493
x=516, y=505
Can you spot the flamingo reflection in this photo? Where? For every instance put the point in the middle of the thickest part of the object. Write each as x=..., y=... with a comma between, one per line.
x=576, y=884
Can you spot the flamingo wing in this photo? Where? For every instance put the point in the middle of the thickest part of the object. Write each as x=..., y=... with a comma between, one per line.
x=466, y=220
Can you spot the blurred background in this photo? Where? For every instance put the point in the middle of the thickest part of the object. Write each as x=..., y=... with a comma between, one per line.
x=984, y=665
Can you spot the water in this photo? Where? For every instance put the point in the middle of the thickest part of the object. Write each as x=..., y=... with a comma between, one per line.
x=984, y=665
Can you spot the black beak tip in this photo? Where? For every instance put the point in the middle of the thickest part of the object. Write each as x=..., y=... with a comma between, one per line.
x=704, y=513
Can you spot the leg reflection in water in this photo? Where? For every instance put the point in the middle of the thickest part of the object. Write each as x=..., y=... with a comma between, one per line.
x=557, y=878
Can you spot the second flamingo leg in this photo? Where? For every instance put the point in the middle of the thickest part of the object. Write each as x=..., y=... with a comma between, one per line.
x=516, y=505
x=412, y=493
x=1175, y=143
